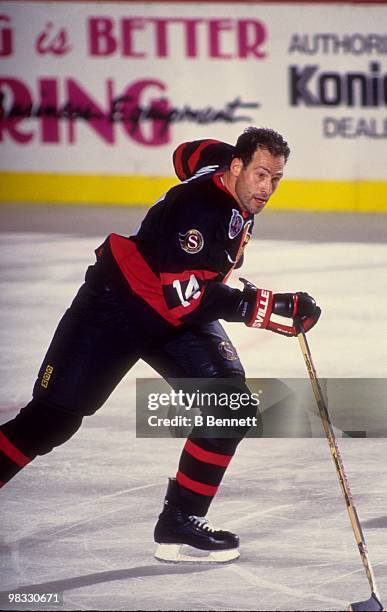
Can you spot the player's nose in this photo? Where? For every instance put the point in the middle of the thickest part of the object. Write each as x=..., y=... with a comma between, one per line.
x=265, y=187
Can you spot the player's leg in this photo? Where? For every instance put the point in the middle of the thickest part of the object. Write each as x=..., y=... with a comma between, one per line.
x=95, y=344
x=204, y=352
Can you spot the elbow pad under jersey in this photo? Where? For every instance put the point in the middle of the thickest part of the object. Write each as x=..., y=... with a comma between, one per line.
x=190, y=157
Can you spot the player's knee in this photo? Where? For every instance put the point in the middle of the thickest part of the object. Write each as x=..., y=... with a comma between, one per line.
x=245, y=405
x=226, y=367
x=231, y=402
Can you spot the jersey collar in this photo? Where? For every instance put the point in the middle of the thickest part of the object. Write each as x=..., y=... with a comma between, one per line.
x=217, y=178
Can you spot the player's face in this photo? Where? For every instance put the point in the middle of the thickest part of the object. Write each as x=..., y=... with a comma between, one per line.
x=256, y=182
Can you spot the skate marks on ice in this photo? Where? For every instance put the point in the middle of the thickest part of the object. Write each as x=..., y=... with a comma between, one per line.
x=289, y=555
x=253, y=575
x=71, y=518
x=97, y=542
x=302, y=554
x=252, y=578
x=87, y=580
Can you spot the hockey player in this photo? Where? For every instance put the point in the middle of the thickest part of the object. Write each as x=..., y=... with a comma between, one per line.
x=158, y=296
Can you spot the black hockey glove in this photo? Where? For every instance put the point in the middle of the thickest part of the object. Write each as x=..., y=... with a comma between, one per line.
x=257, y=306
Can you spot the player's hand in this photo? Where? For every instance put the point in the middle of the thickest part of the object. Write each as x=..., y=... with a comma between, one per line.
x=258, y=305
x=300, y=307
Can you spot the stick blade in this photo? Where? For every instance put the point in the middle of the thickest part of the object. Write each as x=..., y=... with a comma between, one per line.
x=370, y=605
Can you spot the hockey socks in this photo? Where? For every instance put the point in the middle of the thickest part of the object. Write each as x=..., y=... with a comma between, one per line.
x=12, y=459
x=202, y=465
x=36, y=430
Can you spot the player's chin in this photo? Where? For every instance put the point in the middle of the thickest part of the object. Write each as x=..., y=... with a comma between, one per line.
x=258, y=206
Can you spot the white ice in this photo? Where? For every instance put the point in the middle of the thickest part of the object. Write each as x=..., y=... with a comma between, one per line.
x=80, y=520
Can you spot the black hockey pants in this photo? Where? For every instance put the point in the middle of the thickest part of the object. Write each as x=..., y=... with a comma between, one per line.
x=100, y=337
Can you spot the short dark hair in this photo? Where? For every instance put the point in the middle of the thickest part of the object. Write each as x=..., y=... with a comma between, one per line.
x=260, y=138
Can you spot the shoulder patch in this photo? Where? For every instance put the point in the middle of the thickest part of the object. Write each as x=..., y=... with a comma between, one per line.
x=192, y=241
x=236, y=224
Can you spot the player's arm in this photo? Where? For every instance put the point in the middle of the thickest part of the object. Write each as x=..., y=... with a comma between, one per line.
x=192, y=269
x=190, y=157
x=193, y=295
x=252, y=306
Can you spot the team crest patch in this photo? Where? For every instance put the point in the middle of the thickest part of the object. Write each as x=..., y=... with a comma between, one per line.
x=227, y=350
x=235, y=225
x=192, y=241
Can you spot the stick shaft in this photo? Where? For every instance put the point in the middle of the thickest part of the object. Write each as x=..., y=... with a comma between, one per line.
x=336, y=456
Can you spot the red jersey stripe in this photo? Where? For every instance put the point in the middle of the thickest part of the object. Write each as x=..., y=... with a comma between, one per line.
x=207, y=456
x=168, y=277
x=145, y=283
x=193, y=160
x=139, y=275
x=12, y=452
x=195, y=486
x=178, y=162
x=218, y=182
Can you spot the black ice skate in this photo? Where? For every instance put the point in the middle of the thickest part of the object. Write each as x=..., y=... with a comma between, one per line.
x=184, y=537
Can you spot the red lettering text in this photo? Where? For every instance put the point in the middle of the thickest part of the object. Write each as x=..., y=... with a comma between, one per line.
x=141, y=37
x=141, y=111
x=5, y=37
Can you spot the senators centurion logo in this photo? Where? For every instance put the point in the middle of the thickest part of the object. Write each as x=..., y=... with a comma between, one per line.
x=192, y=241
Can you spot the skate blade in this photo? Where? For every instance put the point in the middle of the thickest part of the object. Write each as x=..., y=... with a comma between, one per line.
x=174, y=553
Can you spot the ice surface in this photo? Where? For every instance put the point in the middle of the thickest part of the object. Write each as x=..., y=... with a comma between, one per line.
x=80, y=520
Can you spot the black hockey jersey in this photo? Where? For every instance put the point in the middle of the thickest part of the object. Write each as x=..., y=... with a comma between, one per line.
x=188, y=243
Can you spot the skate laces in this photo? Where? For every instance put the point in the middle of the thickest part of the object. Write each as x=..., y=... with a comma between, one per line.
x=202, y=523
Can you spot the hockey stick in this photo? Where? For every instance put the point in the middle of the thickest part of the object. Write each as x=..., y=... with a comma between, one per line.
x=373, y=603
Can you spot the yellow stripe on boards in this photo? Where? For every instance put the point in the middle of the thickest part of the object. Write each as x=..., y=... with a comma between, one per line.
x=360, y=196
x=340, y=196
x=82, y=189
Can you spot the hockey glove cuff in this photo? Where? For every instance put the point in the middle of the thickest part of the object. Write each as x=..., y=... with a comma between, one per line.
x=257, y=306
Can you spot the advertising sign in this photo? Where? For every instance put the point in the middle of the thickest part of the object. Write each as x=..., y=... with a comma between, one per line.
x=110, y=89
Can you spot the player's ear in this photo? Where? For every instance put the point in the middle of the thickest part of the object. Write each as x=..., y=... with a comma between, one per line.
x=236, y=166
